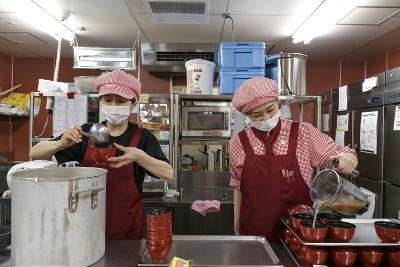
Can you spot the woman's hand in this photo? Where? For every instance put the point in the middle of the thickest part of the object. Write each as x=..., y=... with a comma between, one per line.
x=347, y=162
x=131, y=154
x=71, y=136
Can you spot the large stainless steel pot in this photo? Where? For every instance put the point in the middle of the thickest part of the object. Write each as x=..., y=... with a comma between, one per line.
x=289, y=70
x=58, y=216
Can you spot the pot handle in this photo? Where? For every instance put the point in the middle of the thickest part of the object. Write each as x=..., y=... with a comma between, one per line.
x=74, y=197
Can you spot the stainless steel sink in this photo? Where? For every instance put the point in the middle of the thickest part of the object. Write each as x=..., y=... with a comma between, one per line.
x=224, y=194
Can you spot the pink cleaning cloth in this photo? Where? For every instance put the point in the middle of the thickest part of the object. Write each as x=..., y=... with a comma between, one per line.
x=204, y=206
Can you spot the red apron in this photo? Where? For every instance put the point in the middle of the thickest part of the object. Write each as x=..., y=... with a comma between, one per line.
x=267, y=191
x=123, y=201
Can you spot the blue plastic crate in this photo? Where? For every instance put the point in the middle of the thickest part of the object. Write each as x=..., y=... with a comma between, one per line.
x=271, y=67
x=242, y=55
x=231, y=79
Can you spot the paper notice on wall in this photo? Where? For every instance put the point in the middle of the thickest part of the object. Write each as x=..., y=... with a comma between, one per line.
x=69, y=112
x=342, y=123
x=396, y=124
x=369, y=83
x=342, y=98
x=325, y=122
x=369, y=132
x=339, y=137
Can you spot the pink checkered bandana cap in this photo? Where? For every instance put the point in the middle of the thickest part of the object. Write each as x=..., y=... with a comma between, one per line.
x=254, y=93
x=120, y=83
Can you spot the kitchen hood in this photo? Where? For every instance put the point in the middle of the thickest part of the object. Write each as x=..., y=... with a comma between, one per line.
x=171, y=57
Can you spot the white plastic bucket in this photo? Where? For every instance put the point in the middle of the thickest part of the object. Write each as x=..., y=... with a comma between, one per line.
x=199, y=76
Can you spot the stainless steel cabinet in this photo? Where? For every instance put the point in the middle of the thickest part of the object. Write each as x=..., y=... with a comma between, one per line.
x=369, y=164
x=392, y=201
x=375, y=187
x=391, y=164
x=359, y=98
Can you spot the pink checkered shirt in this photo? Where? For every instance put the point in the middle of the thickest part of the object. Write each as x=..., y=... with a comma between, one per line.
x=313, y=149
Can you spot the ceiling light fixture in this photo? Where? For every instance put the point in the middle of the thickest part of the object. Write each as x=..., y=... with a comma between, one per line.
x=38, y=17
x=323, y=18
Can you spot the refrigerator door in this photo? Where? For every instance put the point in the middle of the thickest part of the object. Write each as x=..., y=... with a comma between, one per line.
x=391, y=207
x=348, y=135
x=363, y=96
x=335, y=100
x=326, y=119
x=375, y=187
x=370, y=147
x=391, y=166
x=392, y=92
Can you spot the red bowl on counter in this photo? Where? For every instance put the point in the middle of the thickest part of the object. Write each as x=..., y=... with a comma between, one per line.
x=101, y=154
x=159, y=224
x=158, y=236
x=159, y=242
x=388, y=231
x=341, y=231
x=313, y=255
x=311, y=234
x=287, y=235
x=343, y=257
x=294, y=245
x=371, y=257
x=326, y=217
x=295, y=219
x=158, y=253
x=392, y=257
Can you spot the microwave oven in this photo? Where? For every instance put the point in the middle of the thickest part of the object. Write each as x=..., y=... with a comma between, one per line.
x=206, y=119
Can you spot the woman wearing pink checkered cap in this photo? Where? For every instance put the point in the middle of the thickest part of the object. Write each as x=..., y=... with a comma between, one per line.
x=272, y=161
x=139, y=153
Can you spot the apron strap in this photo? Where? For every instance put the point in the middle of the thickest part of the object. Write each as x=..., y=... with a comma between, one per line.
x=136, y=137
x=248, y=149
x=294, y=134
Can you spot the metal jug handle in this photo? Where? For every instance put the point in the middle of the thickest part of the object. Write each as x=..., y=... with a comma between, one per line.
x=333, y=164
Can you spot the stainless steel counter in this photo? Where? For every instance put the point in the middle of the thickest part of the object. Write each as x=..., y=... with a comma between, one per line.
x=125, y=253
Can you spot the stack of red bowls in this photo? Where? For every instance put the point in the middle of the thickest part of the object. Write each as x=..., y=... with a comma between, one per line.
x=159, y=233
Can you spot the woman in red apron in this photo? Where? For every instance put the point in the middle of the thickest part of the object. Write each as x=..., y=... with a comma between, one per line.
x=139, y=153
x=272, y=160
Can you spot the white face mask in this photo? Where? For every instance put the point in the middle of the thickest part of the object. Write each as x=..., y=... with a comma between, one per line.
x=116, y=115
x=266, y=125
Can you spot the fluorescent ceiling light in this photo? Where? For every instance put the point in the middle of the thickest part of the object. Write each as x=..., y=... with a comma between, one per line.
x=324, y=17
x=38, y=17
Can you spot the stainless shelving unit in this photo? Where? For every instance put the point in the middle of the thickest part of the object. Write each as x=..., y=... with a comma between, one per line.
x=176, y=100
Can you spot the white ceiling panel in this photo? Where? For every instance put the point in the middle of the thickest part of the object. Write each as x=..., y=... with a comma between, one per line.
x=180, y=33
x=251, y=28
x=21, y=38
x=345, y=38
x=100, y=32
x=369, y=15
x=86, y=6
x=269, y=7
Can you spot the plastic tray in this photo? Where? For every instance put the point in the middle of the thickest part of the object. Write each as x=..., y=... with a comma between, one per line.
x=365, y=235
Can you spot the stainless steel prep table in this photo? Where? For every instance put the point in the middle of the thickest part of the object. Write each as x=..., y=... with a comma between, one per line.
x=125, y=253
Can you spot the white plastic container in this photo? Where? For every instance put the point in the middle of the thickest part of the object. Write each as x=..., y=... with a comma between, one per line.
x=199, y=76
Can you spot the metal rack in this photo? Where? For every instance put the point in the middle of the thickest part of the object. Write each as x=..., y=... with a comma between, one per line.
x=32, y=117
x=176, y=101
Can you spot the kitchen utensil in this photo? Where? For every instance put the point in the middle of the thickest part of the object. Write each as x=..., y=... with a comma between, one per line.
x=335, y=192
x=99, y=133
x=85, y=84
